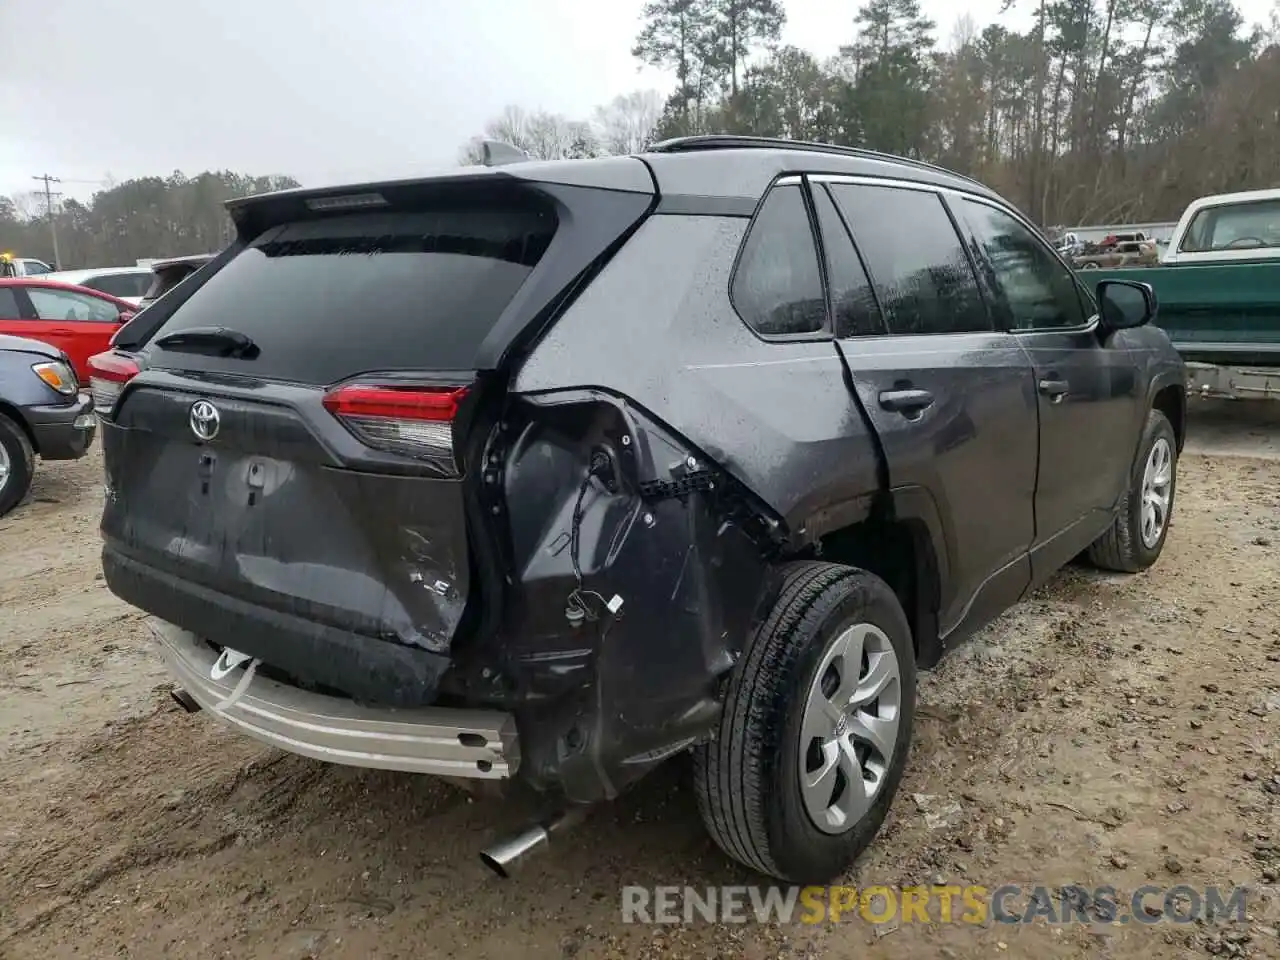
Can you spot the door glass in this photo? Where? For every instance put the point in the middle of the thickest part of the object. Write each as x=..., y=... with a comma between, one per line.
x=65, y=305
x=8, y=305
x=120, y=284
x=852, y=302
x=777, y=288
x=921, y=271
x=1035, y=290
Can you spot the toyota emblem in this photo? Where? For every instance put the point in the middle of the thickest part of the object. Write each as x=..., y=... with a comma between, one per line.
x=205, y=420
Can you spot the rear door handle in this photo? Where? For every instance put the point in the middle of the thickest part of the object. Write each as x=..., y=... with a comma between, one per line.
x=62, y=332
x=1055, y=390
x=908, y=402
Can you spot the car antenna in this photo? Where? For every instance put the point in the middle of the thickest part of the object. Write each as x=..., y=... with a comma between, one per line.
x=496, y=153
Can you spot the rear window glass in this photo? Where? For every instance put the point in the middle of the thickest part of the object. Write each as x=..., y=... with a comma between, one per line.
x=327, y=299
x=1240, y=226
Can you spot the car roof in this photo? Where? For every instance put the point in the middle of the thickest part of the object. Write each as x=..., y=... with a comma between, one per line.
x=75, y=276
x=721, y=165
x=726, y=167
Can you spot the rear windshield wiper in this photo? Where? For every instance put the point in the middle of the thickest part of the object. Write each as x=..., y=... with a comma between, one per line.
x=219, y=341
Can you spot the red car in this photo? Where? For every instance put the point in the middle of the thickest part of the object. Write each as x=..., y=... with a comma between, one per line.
x=77, y=320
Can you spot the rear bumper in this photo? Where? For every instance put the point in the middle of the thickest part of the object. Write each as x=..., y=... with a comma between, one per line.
x=368, y=669
x=444, y=742
x=63, y=432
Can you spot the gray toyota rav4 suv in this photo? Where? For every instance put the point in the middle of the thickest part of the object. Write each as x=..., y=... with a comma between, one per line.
x=553, y=471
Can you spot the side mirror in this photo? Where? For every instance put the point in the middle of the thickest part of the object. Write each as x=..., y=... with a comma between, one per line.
x=1125, y=304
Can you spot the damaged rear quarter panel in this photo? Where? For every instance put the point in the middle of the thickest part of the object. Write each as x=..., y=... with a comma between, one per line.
x=669, y=365
x=610, y=677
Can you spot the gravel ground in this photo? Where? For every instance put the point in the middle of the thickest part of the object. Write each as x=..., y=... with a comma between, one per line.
x=1110, y=730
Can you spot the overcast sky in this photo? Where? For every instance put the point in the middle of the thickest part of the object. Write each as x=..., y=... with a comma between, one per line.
x=321, y=89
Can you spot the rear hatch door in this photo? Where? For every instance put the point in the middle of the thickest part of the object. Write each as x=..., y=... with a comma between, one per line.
x=295, y=441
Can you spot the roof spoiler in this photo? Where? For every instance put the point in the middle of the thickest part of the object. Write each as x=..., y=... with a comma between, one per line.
x=495, y=153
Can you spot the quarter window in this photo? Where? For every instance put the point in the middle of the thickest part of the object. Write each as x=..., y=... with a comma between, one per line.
x=777, y=288
x=922, y=274
x=1035, y=289
x=852, y=302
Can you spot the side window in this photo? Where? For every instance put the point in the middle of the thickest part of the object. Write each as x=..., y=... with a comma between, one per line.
x=66, y=305
x=1036, y=290
x=9, y=305
x=777, y=288
x=120, y=284
x=853, y=303
x=921, y=271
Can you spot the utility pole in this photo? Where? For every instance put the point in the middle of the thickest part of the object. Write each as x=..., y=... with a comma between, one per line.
x=53, y=226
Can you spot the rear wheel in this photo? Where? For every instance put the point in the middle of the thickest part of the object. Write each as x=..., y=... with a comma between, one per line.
x=816, y=728
x=1136, y=536
x=17, y=464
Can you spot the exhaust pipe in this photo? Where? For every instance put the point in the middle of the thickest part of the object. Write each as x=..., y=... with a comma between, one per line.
x=507, y=856
x=184, y=700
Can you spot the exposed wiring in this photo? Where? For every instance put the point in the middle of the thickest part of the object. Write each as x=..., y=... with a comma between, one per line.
x=583, y=604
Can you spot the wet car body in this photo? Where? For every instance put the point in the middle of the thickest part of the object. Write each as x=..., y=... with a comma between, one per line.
x=551, y=530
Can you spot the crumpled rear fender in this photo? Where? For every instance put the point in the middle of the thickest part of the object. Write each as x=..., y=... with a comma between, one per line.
x=610, y=677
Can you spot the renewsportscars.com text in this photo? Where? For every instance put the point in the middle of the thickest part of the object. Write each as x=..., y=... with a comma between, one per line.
x=972, y=905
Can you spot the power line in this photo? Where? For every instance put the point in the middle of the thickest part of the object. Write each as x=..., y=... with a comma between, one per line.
x=53, y=226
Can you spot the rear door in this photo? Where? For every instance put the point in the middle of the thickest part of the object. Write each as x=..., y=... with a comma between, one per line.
x=78, y=323
x=1088, y=392
x=951, y=398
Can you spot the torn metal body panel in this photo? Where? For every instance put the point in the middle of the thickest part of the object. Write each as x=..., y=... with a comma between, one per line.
x=637, y=571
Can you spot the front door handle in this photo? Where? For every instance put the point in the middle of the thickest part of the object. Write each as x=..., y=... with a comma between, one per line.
x=909, y=402
x=62, y=332
x=1055, y=390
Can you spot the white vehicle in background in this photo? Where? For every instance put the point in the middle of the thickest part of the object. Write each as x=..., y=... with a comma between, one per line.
x=168, y=273
x=24, y=267
x=126, y=283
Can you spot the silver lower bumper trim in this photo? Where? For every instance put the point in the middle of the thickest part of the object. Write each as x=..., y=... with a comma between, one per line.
x=1233, y=383
x=447, y=742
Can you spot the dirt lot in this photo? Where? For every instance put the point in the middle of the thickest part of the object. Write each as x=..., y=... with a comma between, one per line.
x=1112, y=730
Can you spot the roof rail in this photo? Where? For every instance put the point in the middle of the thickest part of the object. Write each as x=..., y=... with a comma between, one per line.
x=724, y=141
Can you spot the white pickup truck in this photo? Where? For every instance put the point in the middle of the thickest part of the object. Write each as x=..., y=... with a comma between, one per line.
x=22, y=267
x=1219, y=293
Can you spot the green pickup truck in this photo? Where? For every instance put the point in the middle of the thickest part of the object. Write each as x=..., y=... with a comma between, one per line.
x=1218, y=288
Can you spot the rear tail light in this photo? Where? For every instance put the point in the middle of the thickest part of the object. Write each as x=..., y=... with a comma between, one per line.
x=108, y=373
x=414, y=422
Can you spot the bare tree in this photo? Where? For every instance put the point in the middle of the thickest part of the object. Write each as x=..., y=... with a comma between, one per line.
x=29, y=204
x=626, y=124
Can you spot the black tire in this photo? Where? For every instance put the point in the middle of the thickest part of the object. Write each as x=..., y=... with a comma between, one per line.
x=22, y=463
x=1122, y=547
x=746, y=779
